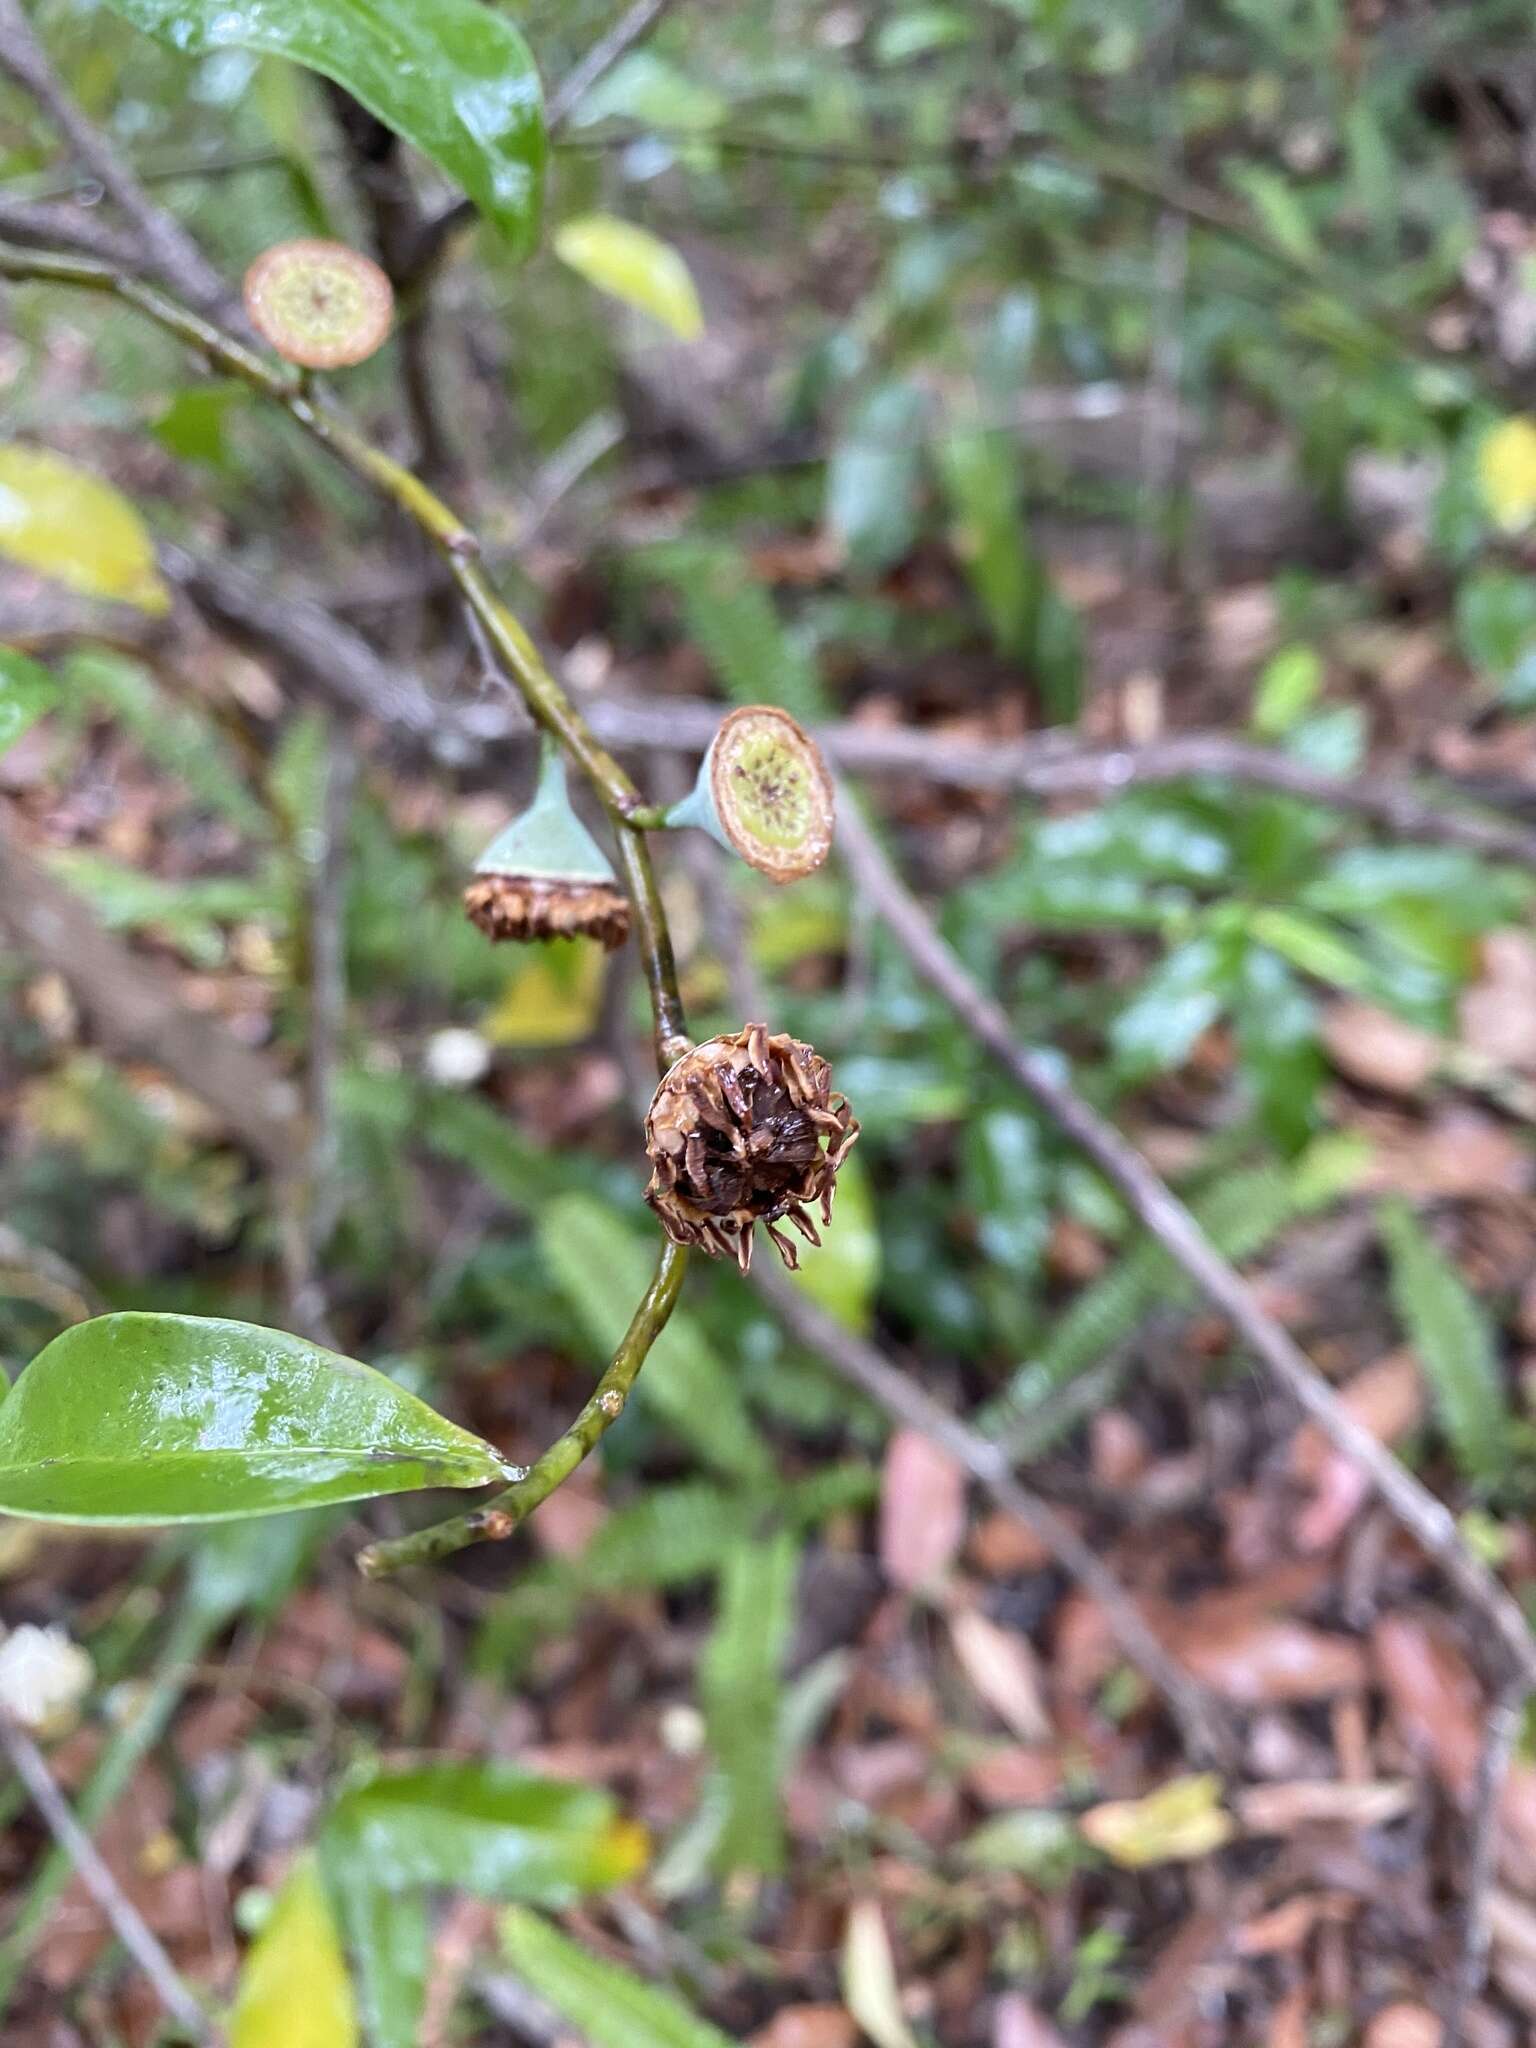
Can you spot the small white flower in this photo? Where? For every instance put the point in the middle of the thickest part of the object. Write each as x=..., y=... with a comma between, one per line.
x=43, y=1678
x=456, y=1058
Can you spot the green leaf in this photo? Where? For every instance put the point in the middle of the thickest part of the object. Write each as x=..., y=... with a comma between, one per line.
x=845, y=1272
x=490, y=1829
x=1506, y=473
x=388, y=1941
x=1273, y=198
x=872, y=478
x=453, y=77
x=608, y=2006
x=294, y=1991
x=69, y=525
x=1495, y=616
x=27, y=692
x=1289, y=682
x=982, y=479
x=1278, y=1037
x=740, y=1678
x=632, y=264
x=603, y=1269
x=1451, y=1336
x=166, y=1418
x=1182, y=997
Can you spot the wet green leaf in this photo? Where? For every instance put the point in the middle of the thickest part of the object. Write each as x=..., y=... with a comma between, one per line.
x=65, y=523
x=453, y=77
x=27, y=693
x=632, y=264
x=166, y=1418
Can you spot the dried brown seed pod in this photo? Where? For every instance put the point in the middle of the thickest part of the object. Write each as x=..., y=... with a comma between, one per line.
x=746, y=1129
x=535, y=907
x=319, y=304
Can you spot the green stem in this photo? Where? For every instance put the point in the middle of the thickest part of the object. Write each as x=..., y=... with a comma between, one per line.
x=520, y=658
x=499, y=1517
x=552, y=708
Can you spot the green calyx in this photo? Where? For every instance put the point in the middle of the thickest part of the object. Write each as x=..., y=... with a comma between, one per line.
x=763, y=792
x=548, y=842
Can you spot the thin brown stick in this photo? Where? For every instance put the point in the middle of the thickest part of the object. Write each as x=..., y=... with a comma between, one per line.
x=1200, y=1720
x=1499, y=1737
x=1426, y=1519
x=124, y=1918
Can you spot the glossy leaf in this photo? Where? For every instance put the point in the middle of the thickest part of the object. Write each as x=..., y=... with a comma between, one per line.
x=65, y=523
x=166, y=1418
x=27, y=692
x=294, y=1991
x=632, y=264
x=388, y=1942
x=1453, y=1341
x=1181, y=998
x=608, y=2006
x=1277, y=1033
x=490, y=1829
x=453, y=77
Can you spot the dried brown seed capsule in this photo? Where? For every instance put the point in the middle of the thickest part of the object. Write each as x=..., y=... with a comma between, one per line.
x=746, y=1129
x=319, y=304
x=531, y=907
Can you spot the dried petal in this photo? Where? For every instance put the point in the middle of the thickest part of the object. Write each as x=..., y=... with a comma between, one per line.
x=745, y=1129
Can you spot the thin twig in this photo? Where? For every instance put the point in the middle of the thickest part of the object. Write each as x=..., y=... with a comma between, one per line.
x=124, y=1918
x=497, y=1520
x=902, y=1397
x=1500, y=1734
x=1042, y=1076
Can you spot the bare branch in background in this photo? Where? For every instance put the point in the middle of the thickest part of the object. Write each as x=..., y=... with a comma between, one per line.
x=1200, y=1721
x=1154, y=1203
x=1500, y=1735
x=143, y=1013
x=124, y=1918
x=165, y=242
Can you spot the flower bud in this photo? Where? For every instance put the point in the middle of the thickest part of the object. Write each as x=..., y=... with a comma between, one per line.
x=319, y=304
x=545, y=876
x=745, y=1129
x=764, y=792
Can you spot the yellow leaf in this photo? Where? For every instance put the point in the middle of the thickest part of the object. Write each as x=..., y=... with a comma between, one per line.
x=870, y=1988
x=1181, y=1820
x=1506, y=473
x=294, y=1991
x=634, y=265
x=552, y=997
x=68, y=524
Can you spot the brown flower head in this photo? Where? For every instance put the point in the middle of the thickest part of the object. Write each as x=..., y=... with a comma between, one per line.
x=536, y=907
x=745, y=1129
